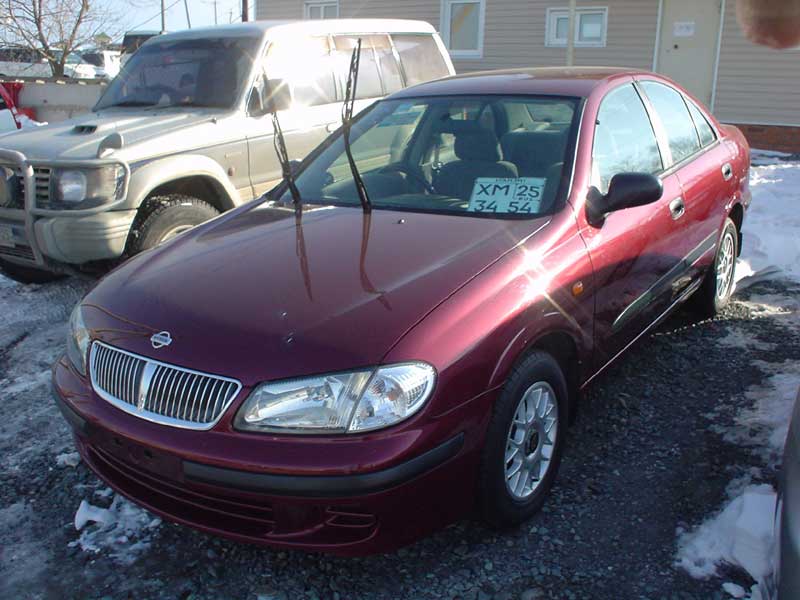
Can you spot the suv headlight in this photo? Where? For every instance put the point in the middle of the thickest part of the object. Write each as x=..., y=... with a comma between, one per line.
x=338, y=403
x=87, y=188
x=77, y=340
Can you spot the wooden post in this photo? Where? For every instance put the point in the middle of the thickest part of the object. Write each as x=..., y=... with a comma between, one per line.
x=571, y=35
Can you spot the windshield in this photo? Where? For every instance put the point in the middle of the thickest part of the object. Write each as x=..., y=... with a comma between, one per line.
x=502, y=156
x=202, y=72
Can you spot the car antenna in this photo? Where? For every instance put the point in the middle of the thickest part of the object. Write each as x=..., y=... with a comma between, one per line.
x=347, y=119
x=283, y=158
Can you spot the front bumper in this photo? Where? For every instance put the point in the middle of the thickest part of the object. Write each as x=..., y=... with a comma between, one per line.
x=369, y=509
x=44, y=239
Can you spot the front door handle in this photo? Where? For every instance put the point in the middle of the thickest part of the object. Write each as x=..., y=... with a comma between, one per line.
x=677, y=208
x=727, y=171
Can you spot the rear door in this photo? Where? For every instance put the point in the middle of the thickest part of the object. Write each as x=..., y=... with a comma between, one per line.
x=698, y=161
x=631, y=251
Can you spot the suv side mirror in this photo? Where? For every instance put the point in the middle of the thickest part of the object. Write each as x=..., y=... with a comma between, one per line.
x=274, y=96
x=626, y=190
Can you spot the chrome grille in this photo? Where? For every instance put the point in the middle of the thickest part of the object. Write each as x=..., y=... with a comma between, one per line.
x=157, y=391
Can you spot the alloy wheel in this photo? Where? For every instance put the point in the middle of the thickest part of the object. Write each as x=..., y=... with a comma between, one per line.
x=531, y=440
x=725, y=265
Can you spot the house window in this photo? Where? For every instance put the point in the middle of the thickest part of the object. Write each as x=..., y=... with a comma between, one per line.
x=322, y=9
x=462, y=27
x=591, y=25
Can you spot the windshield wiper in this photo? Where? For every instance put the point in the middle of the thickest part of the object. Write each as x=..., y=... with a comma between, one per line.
x=131, y=103
x=347, y=119
x=283, y=159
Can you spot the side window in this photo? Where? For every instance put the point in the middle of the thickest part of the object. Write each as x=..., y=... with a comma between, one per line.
x=421, y=59
x=703, y=128
x=678, y=125
x=369, y=75
x=307, y=65
x=624, y=139
x=387, y=63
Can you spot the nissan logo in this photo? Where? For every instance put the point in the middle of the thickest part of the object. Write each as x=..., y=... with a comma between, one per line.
x=161, y=339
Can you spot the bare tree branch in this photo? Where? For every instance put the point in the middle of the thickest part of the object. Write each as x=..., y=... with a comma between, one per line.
x=55, y=28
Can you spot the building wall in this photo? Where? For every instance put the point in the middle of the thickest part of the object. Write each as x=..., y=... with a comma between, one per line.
x=755, y=85
x=514, y=35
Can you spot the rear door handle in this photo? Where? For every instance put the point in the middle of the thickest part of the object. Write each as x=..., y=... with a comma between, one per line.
x=727, y=171
x=677, y=208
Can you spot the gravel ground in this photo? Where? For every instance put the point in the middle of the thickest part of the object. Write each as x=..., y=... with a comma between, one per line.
x=643, y=460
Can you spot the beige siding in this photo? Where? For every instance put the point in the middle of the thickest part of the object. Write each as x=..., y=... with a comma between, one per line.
x=755, y=84
x=514, y=34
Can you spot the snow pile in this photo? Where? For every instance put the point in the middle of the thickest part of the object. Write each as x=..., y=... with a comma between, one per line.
x=772, y=224
x=68, y=459
x=122, y=529
x=740, y=535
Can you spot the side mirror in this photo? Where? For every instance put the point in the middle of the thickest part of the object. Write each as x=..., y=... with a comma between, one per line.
x=626, y=190
x=274, y=98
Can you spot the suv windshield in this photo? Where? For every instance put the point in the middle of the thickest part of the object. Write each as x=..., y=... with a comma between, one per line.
x=199, y=72
x=502, y=156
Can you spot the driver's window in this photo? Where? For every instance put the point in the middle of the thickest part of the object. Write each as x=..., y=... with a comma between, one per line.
x=624, y=140
x=383, y=145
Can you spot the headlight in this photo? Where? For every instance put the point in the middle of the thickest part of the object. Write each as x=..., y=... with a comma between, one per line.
x=88, y=188
x=72, y=186
x=77, y=340
x=339, y=403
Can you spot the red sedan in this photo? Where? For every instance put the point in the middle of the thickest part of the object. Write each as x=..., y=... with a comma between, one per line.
x=399, y=334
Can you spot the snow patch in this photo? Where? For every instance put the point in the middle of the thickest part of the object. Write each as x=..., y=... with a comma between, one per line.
x=740, y=535
x=26, y=122
x=736, y=591
x=123, y=529
x=763, y=425
x=68, y=459
x=772, y=223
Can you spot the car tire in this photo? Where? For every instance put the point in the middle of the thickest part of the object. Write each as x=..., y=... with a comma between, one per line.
x=164, y=217
x=24, y=274
x=717, y=287
x=504, y=498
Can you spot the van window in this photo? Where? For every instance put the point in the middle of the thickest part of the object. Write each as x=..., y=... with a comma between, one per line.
x=378, y=72
x=307, y=65
x=420, y=57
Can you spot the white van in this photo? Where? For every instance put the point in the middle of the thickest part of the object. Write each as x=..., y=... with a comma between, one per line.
x=185, y=132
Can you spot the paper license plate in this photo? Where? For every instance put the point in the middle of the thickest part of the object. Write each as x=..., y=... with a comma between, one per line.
x=507, y=195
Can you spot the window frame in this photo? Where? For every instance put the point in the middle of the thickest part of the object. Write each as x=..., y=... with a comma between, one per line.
x=661, y=134
x=321, y=4
x=444, y=19
x=551, y=26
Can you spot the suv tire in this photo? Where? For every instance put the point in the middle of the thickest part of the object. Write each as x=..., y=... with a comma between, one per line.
x=164, y=217
x=710, y=298
x=24, y=274
x=503, y=501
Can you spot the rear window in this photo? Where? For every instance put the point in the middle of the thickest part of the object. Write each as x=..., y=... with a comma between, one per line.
x=421, y=59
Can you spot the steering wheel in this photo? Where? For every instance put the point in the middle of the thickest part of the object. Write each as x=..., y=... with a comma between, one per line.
x=162, y=90
x=413, y=173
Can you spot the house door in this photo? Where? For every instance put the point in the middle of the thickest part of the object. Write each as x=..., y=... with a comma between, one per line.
x=688, y=47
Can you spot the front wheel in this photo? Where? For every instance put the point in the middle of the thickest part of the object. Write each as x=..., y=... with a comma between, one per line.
x=717, y=287
x=524, y=442
x=165, y=217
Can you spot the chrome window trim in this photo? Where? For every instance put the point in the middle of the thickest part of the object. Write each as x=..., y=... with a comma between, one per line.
x=149, y=369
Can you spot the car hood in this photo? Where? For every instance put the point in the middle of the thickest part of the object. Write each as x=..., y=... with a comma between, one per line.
x=259, y=296
x=78, y=139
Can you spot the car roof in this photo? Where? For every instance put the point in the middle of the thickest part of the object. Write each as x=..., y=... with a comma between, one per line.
x=309, y=27
x=563, y=81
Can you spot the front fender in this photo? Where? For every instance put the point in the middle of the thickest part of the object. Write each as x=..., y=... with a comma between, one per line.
x=148, y=175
